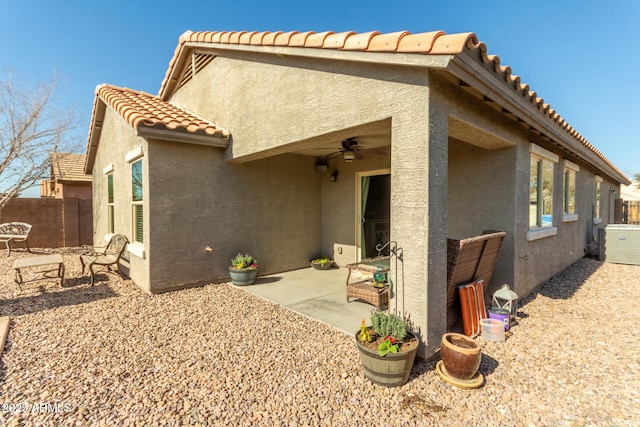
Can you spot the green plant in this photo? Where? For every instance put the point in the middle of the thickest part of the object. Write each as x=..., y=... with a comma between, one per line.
x=387, y=346
x=390, y=325
x=321, y=260
x=244, y=262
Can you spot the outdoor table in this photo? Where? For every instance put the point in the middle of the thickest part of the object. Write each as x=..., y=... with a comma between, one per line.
x=365, y=289
x=22, y=263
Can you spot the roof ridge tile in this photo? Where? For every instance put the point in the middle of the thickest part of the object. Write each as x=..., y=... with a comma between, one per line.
x=337, y=40
x=386, y=42
x=359, y=41
x=283, y=39
x=419, y=43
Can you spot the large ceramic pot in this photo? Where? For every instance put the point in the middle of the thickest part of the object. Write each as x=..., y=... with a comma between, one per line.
x=461, y=355
x=243, y=277
x=391, y=370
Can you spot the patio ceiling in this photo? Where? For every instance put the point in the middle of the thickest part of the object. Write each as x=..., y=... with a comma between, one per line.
x=367, y=141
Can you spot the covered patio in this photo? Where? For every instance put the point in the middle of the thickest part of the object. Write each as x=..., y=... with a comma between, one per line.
x=319, y=295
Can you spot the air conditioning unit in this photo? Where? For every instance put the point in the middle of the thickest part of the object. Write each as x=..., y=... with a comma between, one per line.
x=620, y=243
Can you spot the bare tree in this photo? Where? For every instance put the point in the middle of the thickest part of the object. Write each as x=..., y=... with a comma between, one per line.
x=31, y=129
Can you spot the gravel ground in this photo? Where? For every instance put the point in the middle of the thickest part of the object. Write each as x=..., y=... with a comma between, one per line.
x=216, y=355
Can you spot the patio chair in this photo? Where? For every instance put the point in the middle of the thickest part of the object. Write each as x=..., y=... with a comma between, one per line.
x=108, y=257
x=469, y=259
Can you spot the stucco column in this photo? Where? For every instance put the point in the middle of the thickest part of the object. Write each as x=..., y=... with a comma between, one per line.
x=418, y=218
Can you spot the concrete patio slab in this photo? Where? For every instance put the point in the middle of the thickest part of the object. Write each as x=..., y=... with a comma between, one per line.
x=318, y=294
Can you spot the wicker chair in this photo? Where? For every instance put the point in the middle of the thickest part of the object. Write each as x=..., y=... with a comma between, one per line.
x=469, y=259
x=108, y=257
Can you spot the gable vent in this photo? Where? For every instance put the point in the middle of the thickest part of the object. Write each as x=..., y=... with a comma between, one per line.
x=198, y=62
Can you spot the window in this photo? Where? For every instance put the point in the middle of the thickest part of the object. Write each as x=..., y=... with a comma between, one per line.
x=110, y=220
x=596, y=204
x=137, y=201
x=541, y=192
x=569, y=199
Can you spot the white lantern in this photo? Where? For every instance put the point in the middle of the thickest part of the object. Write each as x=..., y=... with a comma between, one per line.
x=507, y=299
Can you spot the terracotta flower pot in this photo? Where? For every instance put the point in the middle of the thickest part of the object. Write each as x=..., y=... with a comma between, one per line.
x=461, y=355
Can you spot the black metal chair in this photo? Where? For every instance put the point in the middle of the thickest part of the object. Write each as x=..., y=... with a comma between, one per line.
x=108, y=257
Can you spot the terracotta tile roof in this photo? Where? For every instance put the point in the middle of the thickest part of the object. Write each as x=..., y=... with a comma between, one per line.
x=430, y=43
x=143, y=110
x=68, y=167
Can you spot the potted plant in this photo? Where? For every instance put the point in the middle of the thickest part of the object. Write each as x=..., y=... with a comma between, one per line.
x=243, y=269
x=387, y=348
x=322, y=263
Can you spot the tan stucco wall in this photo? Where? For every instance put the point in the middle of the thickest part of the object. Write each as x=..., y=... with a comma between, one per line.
x=117, y=140
x=457, y=167
x=488, y=188
x=272, y=104
x=269, y=208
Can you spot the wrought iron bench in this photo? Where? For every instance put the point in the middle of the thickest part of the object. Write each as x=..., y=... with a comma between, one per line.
x=470, y=259
x=108, y=257
x=14, y=232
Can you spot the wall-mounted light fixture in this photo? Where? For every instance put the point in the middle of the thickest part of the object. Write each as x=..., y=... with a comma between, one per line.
x=334, y=175
x=322, y=165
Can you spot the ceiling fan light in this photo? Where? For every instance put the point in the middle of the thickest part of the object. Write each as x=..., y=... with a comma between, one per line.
x=348, y=156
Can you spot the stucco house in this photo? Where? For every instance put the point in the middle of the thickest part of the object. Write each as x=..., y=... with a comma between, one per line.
x=232, y=151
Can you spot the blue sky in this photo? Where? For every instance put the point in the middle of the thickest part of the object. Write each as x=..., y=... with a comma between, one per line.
x=580, y=56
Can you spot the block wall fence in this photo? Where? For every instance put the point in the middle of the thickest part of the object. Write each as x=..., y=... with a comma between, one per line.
x=56, y=222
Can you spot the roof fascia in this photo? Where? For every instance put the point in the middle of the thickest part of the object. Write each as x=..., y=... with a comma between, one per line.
x=173, y=136
x=393, y=58
x=94, y=134
x=470, y=71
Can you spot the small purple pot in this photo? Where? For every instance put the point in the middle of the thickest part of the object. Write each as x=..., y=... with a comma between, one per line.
x=500, y=314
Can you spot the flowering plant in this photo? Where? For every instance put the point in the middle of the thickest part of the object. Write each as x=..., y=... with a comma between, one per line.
x=243, y=262
x=321, y=260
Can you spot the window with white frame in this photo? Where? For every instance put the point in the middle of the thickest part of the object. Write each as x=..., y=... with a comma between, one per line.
x=108, y=171
x=137, y=196
x=541, y=187
x=596, y=203
x=569, y=195
x=110, y=208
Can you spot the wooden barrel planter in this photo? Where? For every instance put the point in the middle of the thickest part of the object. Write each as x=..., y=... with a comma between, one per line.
x=391, y=370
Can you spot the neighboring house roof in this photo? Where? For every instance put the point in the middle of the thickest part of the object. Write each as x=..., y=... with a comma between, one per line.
x=68, y=167
x=151, y=117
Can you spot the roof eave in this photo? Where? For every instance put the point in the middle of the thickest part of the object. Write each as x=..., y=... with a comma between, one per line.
x=95, y=130
x=216, y=140
x=469, y=70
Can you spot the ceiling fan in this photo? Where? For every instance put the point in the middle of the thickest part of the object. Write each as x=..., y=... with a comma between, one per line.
x=350, y=150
